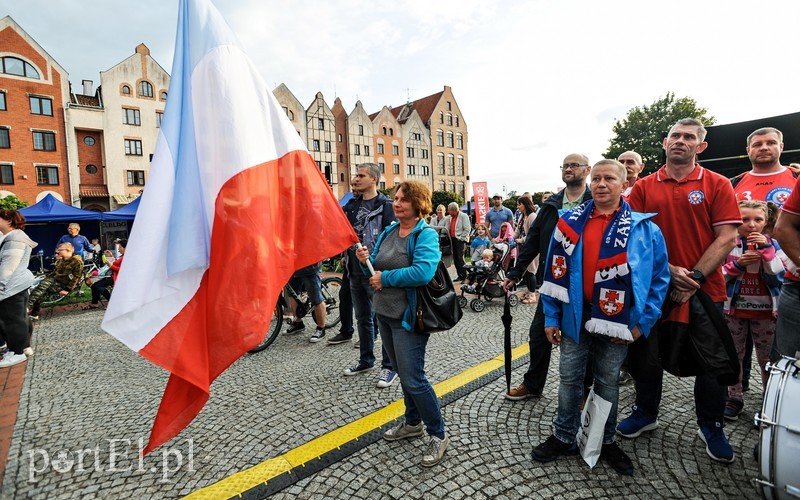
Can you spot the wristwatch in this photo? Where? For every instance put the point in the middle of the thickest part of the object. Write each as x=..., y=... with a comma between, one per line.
x=698, y=276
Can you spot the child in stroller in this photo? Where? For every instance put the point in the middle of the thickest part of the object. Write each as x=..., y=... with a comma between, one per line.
x=486, y=280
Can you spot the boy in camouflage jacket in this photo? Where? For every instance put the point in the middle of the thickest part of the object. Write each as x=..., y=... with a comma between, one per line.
x=63, y=279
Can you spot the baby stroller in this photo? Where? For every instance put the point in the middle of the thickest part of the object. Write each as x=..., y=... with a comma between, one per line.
x=486, y=283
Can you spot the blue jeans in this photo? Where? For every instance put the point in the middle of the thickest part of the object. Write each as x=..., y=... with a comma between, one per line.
x=361, y=292
x=709, y=395
x=407, y=352
x=607, y=360
x=346, y=306
x=787, y=331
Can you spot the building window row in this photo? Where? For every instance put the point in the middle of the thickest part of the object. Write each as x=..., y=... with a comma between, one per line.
x=18, y=67
x=391, y=131
x=44, y=141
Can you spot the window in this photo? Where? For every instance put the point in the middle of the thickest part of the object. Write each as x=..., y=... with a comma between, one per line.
x=396, y=168
x=88, y=140
x=412, y=170
x=145, y=89
x=384, y=130
x=410, y=152
x=5, y=138
x=131, y=117
x=449, y=106
x=441, y=117
x=441, y=185
x=426, y=171
x=451, y=165
x=460, y=165
x=320, y=123
x=461, y=190
x=395, y=149
x=391, y=131
x=380, y=148
x=159, y=118
x=41, y=105
x=327, y=146
x=440, y=138
x=366, y=150
x=315, y=144
x=341, y=160
x=449, y=119
x=425, y=153
x=459, y=141
x=44, y=141
x=383, y=185
x=47, y=175
x=2, y=101
x=136, y=177
x=457, y=122
x=6, y=174
x=18, y=67
x=340, y=137
x=440, y=163
x=91, y=169
x=163, y=95
x=416, y=136
x=133, y=147
x=291, y=115
x=126, y=90
x=361, y=130
x=357, y=149
x=451, y=187
x=285, y=110
x=383, y=167
x=449, y=139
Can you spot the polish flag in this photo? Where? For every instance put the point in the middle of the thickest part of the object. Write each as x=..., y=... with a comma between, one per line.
x=234, y=204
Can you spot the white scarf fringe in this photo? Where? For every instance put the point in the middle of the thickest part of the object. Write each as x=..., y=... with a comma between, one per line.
x=557, y=292
x=608, y=328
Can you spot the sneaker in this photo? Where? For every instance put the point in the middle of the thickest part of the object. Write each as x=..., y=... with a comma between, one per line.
x=3, y=350
x=403, y=431
x=28, y=351
x=733, y=408
x=617, y=459
x=717, y=445
x=386, y=378
x=625, y=377
x=11, y=359
x=295, y=326
x=434, y=452
x=357, y=369
x=552, y=449
x=636, y=424
x=521, y=392
x=357, y=344
x=339, y=339
x=33, y=317
x=318, y=335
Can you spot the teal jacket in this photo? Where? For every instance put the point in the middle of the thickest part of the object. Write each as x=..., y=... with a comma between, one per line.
x=647, y=259
x=424, y=252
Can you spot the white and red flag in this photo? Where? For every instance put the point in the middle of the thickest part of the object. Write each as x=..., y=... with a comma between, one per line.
x=234, y=204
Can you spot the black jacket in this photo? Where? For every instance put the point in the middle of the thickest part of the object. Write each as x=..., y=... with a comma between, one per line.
x=381, y=218
x=537, y=242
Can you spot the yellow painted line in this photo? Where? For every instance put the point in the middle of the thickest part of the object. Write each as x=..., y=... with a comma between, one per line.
x=247, y=479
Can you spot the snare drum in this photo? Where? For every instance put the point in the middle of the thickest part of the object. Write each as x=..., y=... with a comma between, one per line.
x=779, y=438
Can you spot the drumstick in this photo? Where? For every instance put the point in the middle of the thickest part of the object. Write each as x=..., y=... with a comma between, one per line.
x=369, y=264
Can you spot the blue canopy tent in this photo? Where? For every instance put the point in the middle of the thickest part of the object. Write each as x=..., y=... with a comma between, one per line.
x=128, y=212
x=347, y=197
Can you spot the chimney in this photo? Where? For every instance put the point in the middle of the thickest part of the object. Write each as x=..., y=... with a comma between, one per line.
x=87, y=87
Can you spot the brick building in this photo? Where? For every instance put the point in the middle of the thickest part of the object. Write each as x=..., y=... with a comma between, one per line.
x=388, y=141
x=33, y=91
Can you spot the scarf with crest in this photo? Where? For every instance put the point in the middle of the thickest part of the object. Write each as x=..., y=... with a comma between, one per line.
x=612, y=296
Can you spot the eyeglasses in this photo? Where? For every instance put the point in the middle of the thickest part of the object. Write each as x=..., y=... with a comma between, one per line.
x=573, y=166
x=628, y=161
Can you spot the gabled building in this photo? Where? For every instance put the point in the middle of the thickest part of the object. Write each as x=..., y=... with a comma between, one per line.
x=361, y=138
x=321, y=131
x=388, y=141
x=448, y=133
x=34, y=89
x=417, y=145
x=112, y=132
x=293, y=108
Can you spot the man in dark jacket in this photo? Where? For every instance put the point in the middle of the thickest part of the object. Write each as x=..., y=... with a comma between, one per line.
x=369, y=214
x=574, y=171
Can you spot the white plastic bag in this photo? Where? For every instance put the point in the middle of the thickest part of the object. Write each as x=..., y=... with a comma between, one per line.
x=593, y=423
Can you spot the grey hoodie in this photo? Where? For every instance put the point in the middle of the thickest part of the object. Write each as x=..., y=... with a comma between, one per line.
x=15, y=252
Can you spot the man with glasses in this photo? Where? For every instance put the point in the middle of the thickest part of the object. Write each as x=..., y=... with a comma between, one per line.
x=67, y=274
x=78, y=241
x=574, y=171
x=633, y=166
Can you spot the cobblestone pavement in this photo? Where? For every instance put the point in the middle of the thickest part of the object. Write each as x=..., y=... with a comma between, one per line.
x=88, y=402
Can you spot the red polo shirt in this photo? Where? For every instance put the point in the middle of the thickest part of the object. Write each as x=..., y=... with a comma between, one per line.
x=792, y=206
x=688, y=210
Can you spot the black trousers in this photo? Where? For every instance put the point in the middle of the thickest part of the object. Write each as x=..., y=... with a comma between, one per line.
x=458, y=258
x=100, y=289
x=15, y=327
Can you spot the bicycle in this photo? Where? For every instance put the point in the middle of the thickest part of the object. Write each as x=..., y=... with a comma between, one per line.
x=332, y=265
x=330, y=287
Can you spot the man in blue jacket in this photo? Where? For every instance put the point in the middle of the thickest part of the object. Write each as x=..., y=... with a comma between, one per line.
x=605, y=281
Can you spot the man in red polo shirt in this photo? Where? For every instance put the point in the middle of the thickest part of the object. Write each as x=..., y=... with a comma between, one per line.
x=787, y=232
x=698, y=214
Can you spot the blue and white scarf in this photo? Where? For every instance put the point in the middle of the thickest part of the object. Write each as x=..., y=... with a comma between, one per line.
x=612, y=297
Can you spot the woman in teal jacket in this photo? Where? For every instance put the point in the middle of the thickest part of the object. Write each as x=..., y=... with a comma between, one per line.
x=405, y=257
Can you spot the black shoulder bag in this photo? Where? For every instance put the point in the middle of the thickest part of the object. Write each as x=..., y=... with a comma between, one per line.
x=437, y=303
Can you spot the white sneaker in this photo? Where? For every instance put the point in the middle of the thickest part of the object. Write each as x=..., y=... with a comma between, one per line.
x=11, y=359
x=28, y=351
x=434, y=451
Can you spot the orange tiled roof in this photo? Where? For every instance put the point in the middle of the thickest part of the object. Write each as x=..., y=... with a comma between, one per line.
x=93, y=191
x=85, y=100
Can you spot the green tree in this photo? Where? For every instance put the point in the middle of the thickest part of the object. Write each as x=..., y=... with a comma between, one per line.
x=11, y=202
x=644, y=128
x=444, y=198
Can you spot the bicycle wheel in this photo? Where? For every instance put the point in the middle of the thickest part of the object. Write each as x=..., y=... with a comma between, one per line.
x=274, y=329
x=330, y=292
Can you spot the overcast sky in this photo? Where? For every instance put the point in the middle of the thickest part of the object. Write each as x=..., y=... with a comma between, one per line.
x=535, y=80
